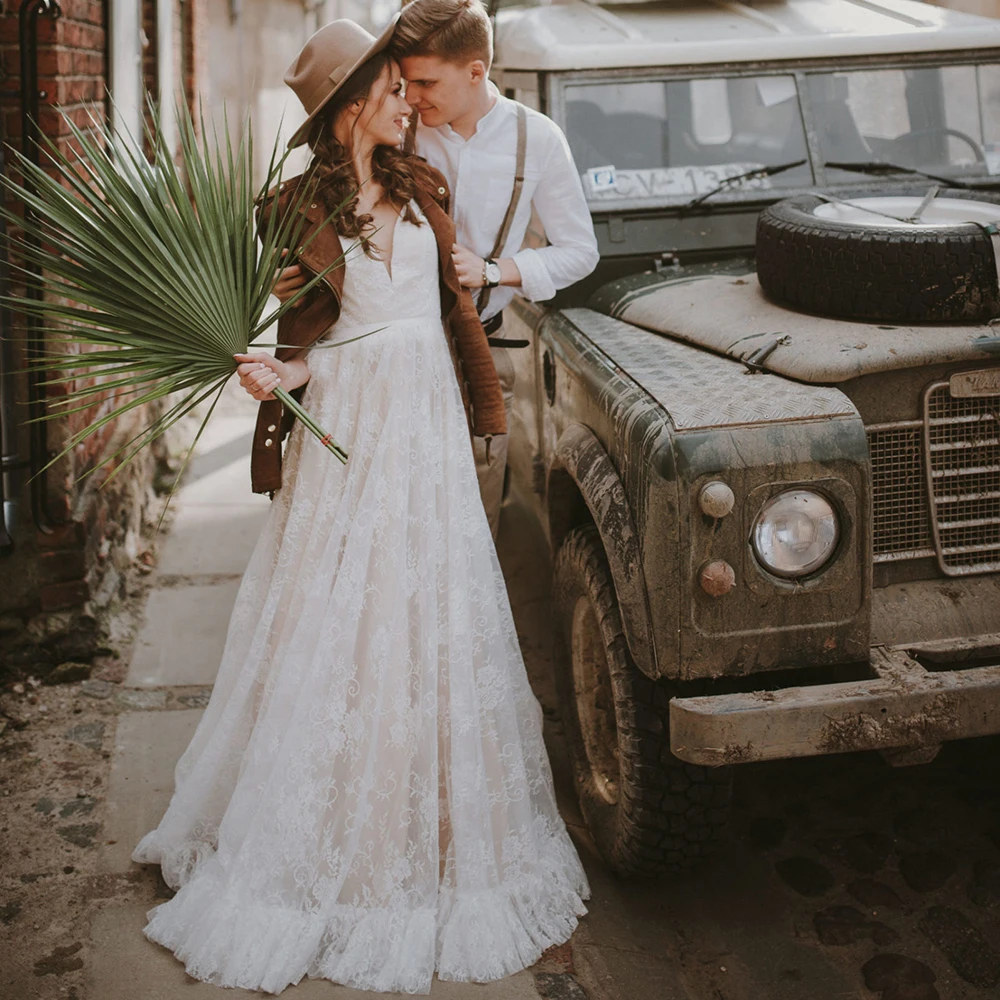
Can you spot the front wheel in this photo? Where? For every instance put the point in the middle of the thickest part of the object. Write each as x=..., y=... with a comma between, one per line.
x=648, y=812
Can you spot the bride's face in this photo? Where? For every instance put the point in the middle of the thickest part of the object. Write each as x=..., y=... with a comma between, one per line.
x=382, y=116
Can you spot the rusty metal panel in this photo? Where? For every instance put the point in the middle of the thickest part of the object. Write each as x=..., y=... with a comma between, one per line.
x=582, y=456
x=732, y=316
x=920, y=611
x=903, y=706
x=962, y=459
x=699, y=390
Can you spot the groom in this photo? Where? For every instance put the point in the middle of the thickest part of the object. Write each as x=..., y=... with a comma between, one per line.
x=501, y=160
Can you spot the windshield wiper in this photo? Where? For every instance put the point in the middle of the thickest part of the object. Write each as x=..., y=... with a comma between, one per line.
x=879, y=169
x=730, y=181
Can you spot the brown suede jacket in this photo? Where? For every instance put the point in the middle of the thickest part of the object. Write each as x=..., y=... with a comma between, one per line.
x=299, y=328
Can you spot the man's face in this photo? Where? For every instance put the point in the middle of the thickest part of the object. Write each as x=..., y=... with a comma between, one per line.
x=440, y=92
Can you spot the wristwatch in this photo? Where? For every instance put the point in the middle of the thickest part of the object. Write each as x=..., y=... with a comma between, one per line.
x=491, y=273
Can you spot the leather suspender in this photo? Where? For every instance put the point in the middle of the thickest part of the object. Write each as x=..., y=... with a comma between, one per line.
x=409, y=143
x=515, y=198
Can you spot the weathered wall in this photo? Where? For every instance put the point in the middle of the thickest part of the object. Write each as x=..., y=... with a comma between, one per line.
x=94, y=533
x=260, y=41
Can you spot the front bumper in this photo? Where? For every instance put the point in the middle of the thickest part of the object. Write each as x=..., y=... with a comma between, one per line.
x=904, y=707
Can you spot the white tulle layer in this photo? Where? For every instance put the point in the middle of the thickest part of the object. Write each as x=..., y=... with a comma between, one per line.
x=367, y=796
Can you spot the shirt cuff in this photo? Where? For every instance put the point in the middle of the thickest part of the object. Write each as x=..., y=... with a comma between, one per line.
x=536, y=283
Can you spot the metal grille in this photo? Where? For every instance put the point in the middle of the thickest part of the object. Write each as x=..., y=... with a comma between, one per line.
x=902, y=523
x=963, y=447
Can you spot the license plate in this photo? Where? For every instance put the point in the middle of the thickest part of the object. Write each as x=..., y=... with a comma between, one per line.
x=985, y=382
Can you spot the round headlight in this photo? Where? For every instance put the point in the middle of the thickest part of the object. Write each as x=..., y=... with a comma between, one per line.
x=796, y=533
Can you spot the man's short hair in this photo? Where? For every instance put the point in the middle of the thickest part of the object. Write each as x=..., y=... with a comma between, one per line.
x=457, y=31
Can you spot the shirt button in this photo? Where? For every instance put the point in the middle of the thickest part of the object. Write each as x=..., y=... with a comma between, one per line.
x=313, y=205
x=442, y=190
x=268, y=443
x=271, y=428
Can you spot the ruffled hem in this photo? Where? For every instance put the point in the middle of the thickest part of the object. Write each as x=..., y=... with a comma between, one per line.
x=178, y=864
x=473, y=936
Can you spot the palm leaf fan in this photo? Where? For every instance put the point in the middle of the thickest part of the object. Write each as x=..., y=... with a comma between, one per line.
x=159, y=270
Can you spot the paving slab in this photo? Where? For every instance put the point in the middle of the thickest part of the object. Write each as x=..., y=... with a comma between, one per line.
x=222, y=484
x=183, y=635
x=141, y=781
x=211, y=538
x=124, y=965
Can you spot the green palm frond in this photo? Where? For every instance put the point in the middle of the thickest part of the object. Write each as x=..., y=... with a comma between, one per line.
x=159, y=270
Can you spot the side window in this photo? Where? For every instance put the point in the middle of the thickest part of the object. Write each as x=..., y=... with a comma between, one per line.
x=529, y=98
x=937, y=118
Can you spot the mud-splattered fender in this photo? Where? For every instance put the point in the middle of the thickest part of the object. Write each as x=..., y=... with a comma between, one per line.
x=580, y=456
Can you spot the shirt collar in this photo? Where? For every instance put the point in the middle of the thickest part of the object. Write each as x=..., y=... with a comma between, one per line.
x=489, y=121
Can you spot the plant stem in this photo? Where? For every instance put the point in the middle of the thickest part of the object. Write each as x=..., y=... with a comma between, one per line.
x=289, y=402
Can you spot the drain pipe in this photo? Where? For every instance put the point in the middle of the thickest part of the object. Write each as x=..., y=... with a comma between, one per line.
x=38, y=451
x=10, y=461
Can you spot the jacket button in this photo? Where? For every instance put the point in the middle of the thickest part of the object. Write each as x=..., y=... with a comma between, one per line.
x=268, y=443
x=313, y=205
x=271, y=428
x=442, y=190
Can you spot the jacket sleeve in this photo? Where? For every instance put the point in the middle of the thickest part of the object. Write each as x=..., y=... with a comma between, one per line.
x=433, y=181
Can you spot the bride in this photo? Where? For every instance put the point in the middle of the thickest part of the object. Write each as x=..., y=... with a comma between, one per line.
x=367, y=797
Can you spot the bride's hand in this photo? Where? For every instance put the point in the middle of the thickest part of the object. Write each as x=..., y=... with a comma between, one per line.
x=468, y=267
x=260, y=374
x=287, y=281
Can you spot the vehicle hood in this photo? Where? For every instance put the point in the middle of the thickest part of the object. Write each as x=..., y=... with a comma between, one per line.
x=732, y=316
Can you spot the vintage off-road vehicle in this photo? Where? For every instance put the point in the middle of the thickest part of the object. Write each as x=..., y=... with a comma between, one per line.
x=763, y=439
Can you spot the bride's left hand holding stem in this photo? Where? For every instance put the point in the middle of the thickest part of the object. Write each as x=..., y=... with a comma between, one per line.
x=260, y=374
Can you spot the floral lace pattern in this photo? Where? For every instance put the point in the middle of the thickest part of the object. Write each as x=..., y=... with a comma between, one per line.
x=367, y=797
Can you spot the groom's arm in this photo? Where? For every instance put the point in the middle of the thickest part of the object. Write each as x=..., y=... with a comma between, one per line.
x=565, y=216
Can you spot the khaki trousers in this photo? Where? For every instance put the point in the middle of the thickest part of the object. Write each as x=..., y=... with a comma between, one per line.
x=491, y=476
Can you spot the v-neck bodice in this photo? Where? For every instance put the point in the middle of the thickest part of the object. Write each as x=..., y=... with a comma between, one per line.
x=412, y=291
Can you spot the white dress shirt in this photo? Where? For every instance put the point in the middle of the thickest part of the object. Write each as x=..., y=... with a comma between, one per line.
x=480, y=172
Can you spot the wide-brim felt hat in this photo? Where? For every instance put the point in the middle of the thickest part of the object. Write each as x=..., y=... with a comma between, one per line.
x=326, y=63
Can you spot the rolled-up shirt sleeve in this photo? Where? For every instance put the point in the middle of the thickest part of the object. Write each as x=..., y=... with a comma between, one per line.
x=565, y=216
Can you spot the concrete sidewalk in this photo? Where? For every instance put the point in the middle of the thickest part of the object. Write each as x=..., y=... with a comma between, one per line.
x=174, y=662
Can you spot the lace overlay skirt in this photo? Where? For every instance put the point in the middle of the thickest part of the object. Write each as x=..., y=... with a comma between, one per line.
x=367, y=797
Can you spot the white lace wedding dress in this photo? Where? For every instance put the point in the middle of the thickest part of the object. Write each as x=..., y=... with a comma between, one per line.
x=367, y=797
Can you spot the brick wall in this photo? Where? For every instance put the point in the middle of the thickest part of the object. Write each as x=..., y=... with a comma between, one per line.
x=98, y=534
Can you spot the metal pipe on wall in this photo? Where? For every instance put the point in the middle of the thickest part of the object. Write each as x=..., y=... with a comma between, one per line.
x=10, y=459
x=38, y=451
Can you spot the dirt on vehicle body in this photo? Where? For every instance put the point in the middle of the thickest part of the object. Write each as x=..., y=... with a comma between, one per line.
x=774, y=513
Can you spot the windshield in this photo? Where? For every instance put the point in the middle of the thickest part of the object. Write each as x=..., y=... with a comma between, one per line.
x=655, y=140
x=943, y=119
x=645, y=142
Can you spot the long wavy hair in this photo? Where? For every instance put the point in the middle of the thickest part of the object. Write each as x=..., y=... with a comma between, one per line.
x=332, y=170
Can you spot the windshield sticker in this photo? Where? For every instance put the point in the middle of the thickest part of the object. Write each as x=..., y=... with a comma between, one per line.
x=667, y=182
x=600, y=179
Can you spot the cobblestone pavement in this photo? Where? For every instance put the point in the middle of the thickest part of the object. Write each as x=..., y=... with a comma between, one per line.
x=842, y=877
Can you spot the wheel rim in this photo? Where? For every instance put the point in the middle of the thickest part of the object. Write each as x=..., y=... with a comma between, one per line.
x=595, y=705
x=894, y=212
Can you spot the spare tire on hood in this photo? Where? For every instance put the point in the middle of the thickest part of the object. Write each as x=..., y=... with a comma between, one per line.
x=856, y=256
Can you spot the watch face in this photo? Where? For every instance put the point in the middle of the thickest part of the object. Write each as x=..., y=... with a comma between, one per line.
x=493, y=273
